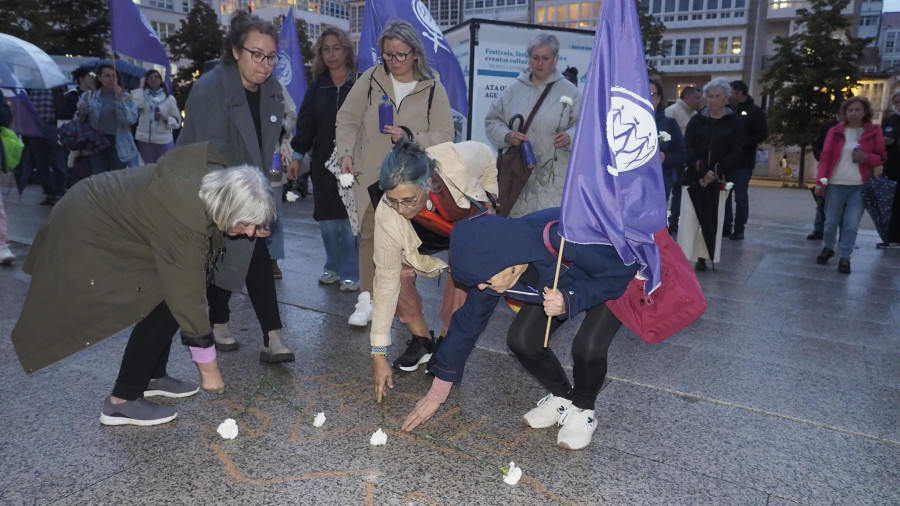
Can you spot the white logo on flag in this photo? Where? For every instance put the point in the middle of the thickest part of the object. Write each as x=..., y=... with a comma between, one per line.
x=432, y=30
x=284, y=71
x=630, y=130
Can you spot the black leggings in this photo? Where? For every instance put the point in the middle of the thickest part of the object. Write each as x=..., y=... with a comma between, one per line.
x=526, y=340
x=146, y=354
x=260, y=288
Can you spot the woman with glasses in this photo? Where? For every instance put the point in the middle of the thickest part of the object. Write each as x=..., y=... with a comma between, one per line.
x=421, y=112
x=238, y=106
x=425, y=192
x=551, y=130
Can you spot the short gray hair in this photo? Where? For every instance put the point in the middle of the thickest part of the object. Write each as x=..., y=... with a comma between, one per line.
x=237, y=195
x=405, y=32
x=718, y=83
x=544, y=39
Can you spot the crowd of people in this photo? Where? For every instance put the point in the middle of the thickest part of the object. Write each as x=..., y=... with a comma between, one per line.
x=413, y=195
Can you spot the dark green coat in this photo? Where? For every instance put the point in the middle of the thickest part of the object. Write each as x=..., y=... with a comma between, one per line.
x=113, y=248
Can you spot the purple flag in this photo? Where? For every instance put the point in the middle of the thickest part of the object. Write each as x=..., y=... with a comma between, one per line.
x=133, y=36
x=614, y=189
x=439, y=55
x=289, y=69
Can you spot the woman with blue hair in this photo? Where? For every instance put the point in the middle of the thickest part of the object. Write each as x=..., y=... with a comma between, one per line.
x=425, y=192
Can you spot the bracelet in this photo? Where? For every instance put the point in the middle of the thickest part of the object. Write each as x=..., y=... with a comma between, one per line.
x=379, y=350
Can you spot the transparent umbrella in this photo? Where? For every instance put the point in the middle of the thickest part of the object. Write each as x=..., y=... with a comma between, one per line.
x=33, y=67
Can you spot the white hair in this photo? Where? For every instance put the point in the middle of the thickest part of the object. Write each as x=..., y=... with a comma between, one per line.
x=237, y=195
x=721, y=83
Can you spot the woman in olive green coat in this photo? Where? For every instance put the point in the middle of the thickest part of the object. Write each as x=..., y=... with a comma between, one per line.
x=136, y=247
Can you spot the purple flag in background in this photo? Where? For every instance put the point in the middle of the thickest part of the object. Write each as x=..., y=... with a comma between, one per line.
x=289, y=69
x=614, y=189
x=439, y=55
x=133, y=36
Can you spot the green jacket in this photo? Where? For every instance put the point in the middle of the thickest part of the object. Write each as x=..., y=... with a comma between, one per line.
x=113, y=248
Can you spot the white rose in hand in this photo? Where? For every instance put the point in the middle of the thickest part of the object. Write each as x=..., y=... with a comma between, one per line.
x=664, y=136
x=566, y=100
x=291, y=196
x=824, y=181
x=346, y=180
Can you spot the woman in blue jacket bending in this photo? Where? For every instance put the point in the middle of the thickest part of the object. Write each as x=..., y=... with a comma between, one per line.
x=516, y=258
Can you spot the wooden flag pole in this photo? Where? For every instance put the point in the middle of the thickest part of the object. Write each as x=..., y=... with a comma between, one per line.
x=562, y=244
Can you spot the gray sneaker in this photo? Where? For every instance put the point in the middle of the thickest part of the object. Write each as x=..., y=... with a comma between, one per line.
x=329, y=278
x=168, y=386
x=137, y=412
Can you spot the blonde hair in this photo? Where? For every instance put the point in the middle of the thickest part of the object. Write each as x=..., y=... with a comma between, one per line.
x=405, y=32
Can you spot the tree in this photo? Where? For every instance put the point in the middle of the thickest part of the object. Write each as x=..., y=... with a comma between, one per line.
x=306, y=49
x=652, y=31
x=812, y=68
x=59, y=26
x=199, y=40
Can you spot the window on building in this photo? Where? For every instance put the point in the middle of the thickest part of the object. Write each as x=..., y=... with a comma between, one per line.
x=736, y=45
x=163, y=30
x=657, y=6
x=585, y=10
x=694, y=47
x=684, y=5
x=868, y=21
x=712, y=4
x=573, y=11
x=562, y=12
x=709, y=45
x=670, y=5
x=722, y=46
x=679, y=47
x=162, y=4
x=540, y=14
x=551, y=13
x=698, y=5
x=740, y=4
x=889, y=41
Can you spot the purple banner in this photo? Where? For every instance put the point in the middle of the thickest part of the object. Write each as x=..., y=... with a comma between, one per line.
x=133, y=36
x=289, y=69
x=614, y=189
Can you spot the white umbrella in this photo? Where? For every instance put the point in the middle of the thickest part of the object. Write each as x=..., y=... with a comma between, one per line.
x=33, y=67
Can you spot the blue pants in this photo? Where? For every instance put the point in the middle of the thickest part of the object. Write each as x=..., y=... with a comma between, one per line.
x=844, y=208
x=49, y=161
x=341, y=249
x=108, y=159
x=741, y=180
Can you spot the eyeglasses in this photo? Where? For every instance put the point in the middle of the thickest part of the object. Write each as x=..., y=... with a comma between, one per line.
x=257, y=57
x=401, y=57
x=409, y=202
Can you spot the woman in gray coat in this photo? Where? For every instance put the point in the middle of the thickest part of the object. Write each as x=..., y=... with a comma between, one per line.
x=238, y=107
x=550, y=132
x=138, y=247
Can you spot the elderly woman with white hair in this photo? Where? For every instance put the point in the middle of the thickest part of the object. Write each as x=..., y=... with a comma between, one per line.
x=550, y=132
x=138, y=247
x=713, y=138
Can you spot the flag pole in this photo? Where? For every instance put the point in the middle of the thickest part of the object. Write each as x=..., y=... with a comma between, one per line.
x=562, y=244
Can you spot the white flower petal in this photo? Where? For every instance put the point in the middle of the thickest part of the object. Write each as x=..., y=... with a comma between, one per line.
x=319, y=420
x=378, y=438
x=228, y=429
x=823, y=180
x=729, y=185
x=513, y=475
x=665, y=136
x=346, y=180
x=566, y=100
x=291, y=197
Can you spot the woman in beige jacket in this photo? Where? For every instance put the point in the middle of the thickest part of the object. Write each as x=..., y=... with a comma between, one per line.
x=414, y=203
x=421, y=111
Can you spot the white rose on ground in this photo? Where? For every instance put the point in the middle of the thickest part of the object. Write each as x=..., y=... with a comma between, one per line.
x=291, y=197
x=228, y=429
x=566, y=100
x=513, y=474
x=379, y=438
x=346, y=180
x=319, y=420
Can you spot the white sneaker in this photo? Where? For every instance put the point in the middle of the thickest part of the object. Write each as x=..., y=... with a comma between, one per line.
x=548, y=412
x=363, y=314
x=6, y=256
x=578, y=426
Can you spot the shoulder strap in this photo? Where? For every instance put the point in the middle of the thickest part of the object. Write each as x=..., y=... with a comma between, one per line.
x=537, y=106
x=430, y=98
x=547, y=238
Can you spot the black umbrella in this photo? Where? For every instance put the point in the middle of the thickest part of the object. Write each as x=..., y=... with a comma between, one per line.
x=706, y=204
x=131, y=73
